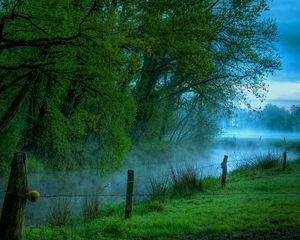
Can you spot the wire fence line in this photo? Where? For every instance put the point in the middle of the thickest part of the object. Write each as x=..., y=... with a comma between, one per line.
x=216, y=194
x=215, y=166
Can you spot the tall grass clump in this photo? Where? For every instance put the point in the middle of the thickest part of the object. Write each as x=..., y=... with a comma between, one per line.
x=261, y=162
x=90, y=207
x=60, y=212
x=158, y=188
x=185, y=180
x=268, y=161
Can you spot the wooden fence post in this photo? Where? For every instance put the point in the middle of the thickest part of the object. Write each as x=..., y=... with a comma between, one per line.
x=284, y=163
x=12, y=215
x=224, y=171
x=129, y=194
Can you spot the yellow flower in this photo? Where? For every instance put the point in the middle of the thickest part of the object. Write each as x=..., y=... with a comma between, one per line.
x=33, y=196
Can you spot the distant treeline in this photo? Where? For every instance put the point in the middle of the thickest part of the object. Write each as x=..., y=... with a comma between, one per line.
x=272, y=117
x=82, y=82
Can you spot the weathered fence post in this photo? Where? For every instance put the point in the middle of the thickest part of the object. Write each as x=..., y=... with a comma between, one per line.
x=12, y=215
x=284, y=162
x=129, y=194
x=224, y=171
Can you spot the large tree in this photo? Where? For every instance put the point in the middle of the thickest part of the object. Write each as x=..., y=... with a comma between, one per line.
x=218, y=52
x=62, y=64
x=73, y=73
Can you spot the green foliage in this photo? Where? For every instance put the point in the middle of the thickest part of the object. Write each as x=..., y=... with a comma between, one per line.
x=53, y=142
x=9, y=142
x=75, y=95
x=82, y=81
x=34, y=164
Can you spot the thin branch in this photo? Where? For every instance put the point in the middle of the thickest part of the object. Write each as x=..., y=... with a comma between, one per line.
x=25, y=66
x=10, y=43
x=12, y=16
x=39, y=42
x=214, y=4
x=14, y=82
x=29, y=19
x=87, y=15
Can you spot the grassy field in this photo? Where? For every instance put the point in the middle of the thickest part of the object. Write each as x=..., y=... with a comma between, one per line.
x=255, y=200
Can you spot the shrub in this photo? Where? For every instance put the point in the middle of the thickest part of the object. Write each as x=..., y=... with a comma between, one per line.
x=158, y=188
x=185, y=180
x=60, y=212
x=90, y=206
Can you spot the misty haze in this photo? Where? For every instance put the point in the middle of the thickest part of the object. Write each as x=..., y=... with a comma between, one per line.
x=149, y=120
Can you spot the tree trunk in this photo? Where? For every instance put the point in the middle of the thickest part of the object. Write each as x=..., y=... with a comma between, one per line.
x=145, y=98
x=73, y=99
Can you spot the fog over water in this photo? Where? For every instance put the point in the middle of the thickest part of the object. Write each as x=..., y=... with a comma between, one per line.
x=240, y=146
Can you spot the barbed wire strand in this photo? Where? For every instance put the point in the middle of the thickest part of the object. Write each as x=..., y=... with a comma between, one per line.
x=170, y=174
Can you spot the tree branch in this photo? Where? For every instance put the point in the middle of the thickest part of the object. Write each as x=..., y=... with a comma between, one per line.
x=59, y=40
x=14, y=82
x=29, y=19
x=25, y=66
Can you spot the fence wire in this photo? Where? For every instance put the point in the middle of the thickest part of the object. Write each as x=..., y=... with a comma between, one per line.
x=215, y=166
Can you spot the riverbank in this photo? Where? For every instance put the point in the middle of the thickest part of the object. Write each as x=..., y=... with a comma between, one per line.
x=256, y=201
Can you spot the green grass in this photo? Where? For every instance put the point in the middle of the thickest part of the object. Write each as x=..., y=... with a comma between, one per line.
x=259, y=200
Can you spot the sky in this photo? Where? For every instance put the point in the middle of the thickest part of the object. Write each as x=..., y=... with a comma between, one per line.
x=284, y=87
